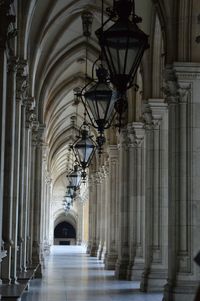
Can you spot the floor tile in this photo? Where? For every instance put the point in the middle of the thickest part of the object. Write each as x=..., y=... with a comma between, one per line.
x=71, y=275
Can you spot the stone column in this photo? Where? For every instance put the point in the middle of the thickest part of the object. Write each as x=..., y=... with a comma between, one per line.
x=9, y=168
x=5, y=21
x=90, y=218
x=21, y=188
x=123, y=213
x=112, y=225
x=80, y=223
x=24, y=205
x=136, y=194
x=98, y=196
x=47, y=210
x=21, y=93
x=105, y=224
x=38, y=147
x=93, y=199
x=156, y=200
x=102, y=204
x=182, y=92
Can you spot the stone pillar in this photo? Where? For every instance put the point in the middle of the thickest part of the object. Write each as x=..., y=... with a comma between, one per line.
x=102, y=204
x=156, y=199
x=90, y=218
x=9, y=168
x=20, y=95
x=93, y=199
x=136, y=194
x=24, y=205
x=21, y=188
x=98, y=196
x=80, y=224
x=5, y=21
x=38, y=147
x=112, y=225
x=105, y=224
x=123, y=217
x=182, y=92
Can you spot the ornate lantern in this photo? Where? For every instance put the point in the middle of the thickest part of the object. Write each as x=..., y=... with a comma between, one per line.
x=123, y=44
x=74, y=178
x=100, y=100
x=84, y=148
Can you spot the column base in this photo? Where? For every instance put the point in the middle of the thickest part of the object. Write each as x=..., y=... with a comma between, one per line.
x=104, y=253
x=88, y=250
x=183, y=291
x=110, y=261
x=93, y=252
x=137, y=270
x=153, y=281
x=121, y=269
x=100, y=251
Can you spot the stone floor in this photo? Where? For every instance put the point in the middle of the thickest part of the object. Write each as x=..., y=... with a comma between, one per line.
x=70, y=275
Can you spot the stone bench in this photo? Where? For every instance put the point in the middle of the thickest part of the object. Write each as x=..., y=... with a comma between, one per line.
x=13, y=292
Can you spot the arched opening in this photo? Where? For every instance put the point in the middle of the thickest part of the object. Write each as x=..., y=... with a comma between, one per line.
x=64, y=234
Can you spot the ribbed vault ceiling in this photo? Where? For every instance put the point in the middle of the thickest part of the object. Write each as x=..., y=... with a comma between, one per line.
x=57, y=50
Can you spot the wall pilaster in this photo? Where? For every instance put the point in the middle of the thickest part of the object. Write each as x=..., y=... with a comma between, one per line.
x=182, y=93
x=156, y=199
x=112, y=224
x=9, y=168
x=5, y=20
x=136, y=194
x=123, y=207
x=93, y=200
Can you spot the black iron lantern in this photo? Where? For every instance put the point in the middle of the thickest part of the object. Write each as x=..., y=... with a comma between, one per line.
x=123, y=44
x=100, y=100
x=69, y=195
x=84, y=149
x=74, y=178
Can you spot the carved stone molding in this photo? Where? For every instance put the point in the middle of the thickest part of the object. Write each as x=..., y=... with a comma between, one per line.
x=170, y=88
x=22, y=80
x=123, y=139
x=38, y=136
x=136, y=134
x=13, y=64
x=185, y=92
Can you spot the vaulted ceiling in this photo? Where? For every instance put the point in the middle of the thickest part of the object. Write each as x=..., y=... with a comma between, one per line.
x=56, y=50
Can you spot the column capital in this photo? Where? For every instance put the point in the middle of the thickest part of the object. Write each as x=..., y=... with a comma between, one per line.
x=158, y=109
x=185, y=92
x=38, y=136
x=13, y=62
x=136, y=134
x=22, y=80
x=123, y=139
x=170, y=88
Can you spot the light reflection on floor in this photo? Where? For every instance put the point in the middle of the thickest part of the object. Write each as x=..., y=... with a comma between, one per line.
x=71, y=275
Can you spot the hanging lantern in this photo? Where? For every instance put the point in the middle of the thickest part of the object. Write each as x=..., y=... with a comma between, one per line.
x=123, y=45
x=68, y=198
x=74, y=178
x=99, y=99
x=84, y=149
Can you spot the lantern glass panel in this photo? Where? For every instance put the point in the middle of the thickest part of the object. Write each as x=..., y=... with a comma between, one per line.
x=84, y=149
x=101, y=102
x=75, y=178
x=123, y=45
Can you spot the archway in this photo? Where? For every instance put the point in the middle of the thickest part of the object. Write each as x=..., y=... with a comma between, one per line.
x=64, y=234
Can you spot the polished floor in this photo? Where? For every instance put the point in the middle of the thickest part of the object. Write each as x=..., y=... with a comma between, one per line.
x=71, y=275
